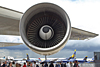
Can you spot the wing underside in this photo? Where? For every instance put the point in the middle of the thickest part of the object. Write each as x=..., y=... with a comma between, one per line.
x=9, y=25
x=79, y=34
x=6, y=44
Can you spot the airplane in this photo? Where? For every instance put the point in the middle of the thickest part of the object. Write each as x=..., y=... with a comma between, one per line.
x=82, y=61
x=33, y=59
x=79, y=60
x=85, y=60
x=45, y=28
x=28, y=59
x=90, y=60
x=72, y=57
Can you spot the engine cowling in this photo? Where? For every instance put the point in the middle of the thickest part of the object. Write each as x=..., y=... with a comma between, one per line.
x=45, y=28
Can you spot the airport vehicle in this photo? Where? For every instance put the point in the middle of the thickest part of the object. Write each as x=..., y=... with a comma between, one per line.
x=45, y=28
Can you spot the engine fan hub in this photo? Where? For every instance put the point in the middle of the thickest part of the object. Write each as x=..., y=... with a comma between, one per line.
x=46, y=32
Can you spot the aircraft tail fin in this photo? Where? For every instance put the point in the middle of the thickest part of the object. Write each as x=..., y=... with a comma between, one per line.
x=85, y=58
x=92, y=58
x=28, y=57
x=73, y=55
x=40, y=59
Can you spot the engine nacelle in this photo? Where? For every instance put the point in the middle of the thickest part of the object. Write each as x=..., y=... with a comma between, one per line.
x=45, y=28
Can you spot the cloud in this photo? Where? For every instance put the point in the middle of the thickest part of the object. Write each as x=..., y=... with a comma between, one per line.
x=83, y=48
x=84, y=45
x=10, y=38
x=18, y=52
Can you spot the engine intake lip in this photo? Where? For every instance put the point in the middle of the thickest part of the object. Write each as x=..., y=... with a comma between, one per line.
x=44, y=7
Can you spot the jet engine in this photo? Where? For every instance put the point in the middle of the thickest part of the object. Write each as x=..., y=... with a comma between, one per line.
x=45, y=28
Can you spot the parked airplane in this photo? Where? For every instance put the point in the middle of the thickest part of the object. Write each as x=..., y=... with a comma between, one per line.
x=45, y=28
x=72, y=57
x=33, y=59
x=91, y=60
x=82, y=61
x=72, y=60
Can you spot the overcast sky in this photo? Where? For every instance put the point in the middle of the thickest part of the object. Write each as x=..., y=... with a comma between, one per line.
x=84, y=14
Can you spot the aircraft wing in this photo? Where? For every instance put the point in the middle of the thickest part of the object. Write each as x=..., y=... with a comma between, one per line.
x=79, y=34
x=9, y=21
x=6, y=44
x=9, y=25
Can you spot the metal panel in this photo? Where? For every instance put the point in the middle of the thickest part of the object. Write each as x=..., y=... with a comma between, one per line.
x=5, y=44
x=79, y=34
